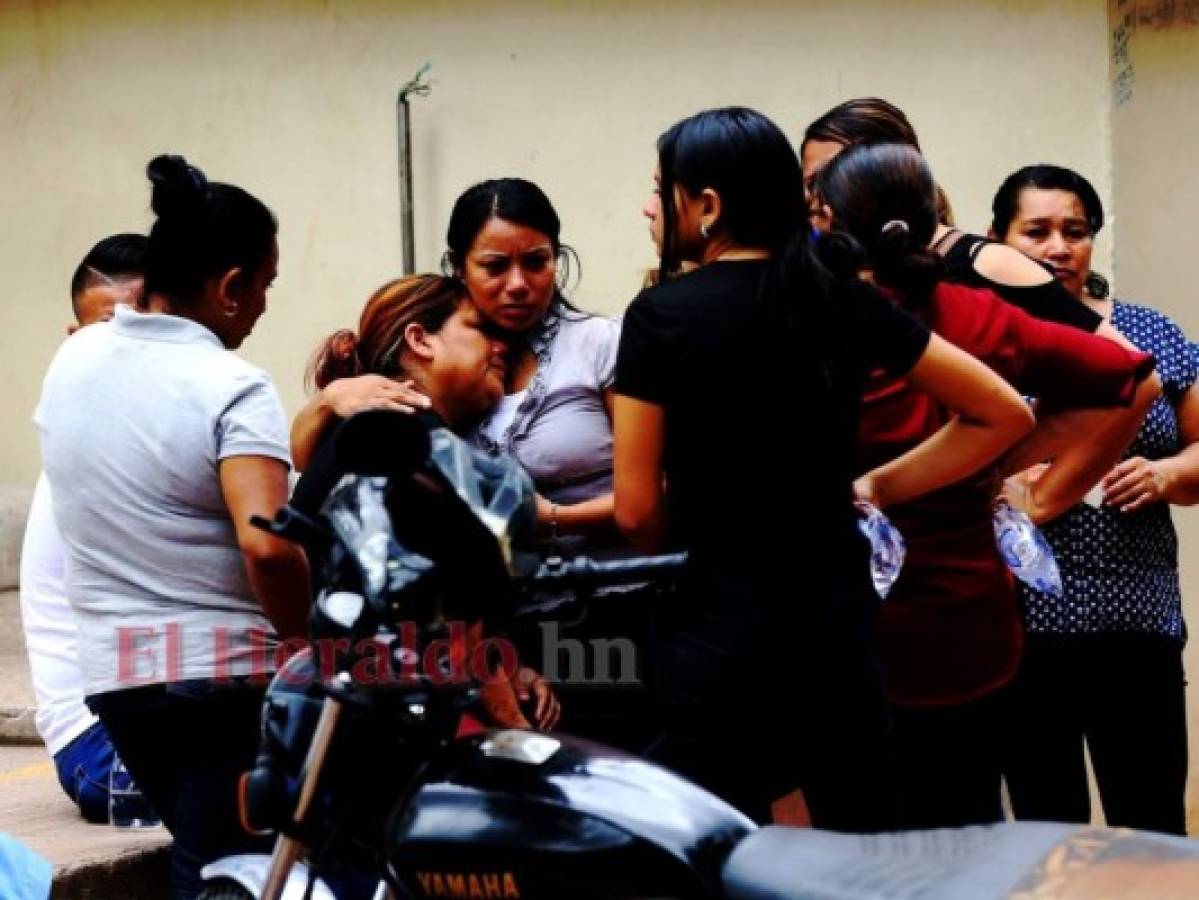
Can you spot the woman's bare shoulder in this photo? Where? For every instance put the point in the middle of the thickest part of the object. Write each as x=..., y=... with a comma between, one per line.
x=1006, y=265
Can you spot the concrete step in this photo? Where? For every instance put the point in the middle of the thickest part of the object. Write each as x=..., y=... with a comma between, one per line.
x=91, y=862
x=16, y=692
x=14, y=507
x=16, y=695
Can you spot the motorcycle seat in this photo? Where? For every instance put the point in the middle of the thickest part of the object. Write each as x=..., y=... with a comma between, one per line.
x=762, y=866
x=983, y=862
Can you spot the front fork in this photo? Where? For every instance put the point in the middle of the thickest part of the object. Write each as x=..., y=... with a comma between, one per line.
x=288, y=848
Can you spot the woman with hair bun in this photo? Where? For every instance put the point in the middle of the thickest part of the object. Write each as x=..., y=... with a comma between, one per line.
x=1103, y=664
x=160, y=445
x=949, y=632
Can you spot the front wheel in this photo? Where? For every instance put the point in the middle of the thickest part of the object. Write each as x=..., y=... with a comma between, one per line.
x=224, y=889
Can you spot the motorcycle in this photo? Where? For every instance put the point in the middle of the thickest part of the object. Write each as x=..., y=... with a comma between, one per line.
x=370, y=791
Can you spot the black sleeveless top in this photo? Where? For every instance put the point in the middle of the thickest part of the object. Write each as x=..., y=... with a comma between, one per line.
x=1049, y=301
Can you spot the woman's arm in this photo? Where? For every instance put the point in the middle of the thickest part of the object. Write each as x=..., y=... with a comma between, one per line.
x=502, y=693
x=341, y=399
x=587, y=516
x=1138, y=482
x=1005, y=265
x=277, y=569
x=639, y=436
x=497, y=698
x=991, y=417
x=1107, y=331
x=533, y=690
x=1082, y=444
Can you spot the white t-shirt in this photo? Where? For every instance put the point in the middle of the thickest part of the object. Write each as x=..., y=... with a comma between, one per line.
x=135, y=416
x=51, y=636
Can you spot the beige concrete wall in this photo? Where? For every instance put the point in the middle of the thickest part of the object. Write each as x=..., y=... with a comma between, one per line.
x=1155, y=131
x=295, y=102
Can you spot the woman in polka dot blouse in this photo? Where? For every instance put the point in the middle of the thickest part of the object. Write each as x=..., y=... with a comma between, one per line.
x=1104, y=663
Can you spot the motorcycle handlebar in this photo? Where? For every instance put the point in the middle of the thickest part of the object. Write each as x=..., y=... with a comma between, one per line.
x=557, y=573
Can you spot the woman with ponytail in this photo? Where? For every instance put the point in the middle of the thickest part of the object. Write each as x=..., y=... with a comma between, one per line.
x=969, y=259
x=159, y=446
x=423, y=332
x=752, y=474
x=949, y=633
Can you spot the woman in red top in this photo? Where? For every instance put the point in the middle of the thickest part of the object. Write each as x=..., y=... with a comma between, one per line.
x=950, y=634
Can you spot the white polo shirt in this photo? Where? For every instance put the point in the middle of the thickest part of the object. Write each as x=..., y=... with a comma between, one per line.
x=135, y=416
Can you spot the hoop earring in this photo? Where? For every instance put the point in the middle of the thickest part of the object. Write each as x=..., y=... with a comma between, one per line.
x=230, y=310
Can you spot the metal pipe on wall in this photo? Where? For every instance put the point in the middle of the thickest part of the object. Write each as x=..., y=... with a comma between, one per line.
x=419, y=87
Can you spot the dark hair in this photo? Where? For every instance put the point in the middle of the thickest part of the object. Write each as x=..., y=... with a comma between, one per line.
x=427, y=300
x=114, y=256
x=865, y=120
x=872, y=120
x=1046, y=177
x=884, y=196
x=513, y=200
x=746, y=159
x=203, y=230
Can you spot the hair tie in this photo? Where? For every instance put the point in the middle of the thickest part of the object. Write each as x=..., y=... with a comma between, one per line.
x=895, y=226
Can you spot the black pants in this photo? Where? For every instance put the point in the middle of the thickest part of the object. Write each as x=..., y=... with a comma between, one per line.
x=754, y=706
x=1124, y=694
x=949, y=761
x=186, y=745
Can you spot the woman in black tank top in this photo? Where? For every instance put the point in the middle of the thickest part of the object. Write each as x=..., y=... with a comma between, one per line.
x=969, y=259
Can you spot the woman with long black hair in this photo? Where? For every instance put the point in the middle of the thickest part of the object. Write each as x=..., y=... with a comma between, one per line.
x=738, y=387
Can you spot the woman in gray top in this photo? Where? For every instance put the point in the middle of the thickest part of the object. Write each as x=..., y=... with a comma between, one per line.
x=159, y=446
x=504, y=243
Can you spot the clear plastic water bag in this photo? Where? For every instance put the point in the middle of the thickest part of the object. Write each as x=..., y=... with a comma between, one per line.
x=127, y=805
x=887, y=547
x=1025, y=549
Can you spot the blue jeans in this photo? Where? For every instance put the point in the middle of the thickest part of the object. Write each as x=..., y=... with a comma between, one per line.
x=186, y=745
x=83, y=766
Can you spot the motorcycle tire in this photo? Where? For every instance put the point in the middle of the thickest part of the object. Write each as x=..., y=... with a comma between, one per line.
x=224, y=889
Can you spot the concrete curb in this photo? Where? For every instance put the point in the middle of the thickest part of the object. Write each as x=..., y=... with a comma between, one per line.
x=91, y=862
x=17, y=726
x=140, y=874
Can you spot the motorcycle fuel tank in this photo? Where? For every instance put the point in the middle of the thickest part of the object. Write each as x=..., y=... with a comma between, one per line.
x=514, y=814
